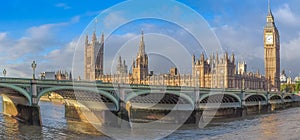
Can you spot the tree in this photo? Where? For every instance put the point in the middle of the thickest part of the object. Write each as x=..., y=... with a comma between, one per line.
x=297, y=87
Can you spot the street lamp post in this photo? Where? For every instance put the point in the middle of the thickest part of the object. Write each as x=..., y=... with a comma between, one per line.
x=4, y=72
x=33, y=66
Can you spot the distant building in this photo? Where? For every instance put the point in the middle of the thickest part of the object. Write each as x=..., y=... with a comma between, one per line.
x=297, y=79
x=47, y=75
x=121, y=66
x=272, y=53
x=59, y=75
x=212, y=72
x=289, y=80
x=242, y=67
x=93, y=57
x=283, y=77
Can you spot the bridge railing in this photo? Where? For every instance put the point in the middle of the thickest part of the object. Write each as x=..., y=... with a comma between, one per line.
x=275, y=101
x=218, y=105
x=14, y=80
x=288, y=100
x=254, y=103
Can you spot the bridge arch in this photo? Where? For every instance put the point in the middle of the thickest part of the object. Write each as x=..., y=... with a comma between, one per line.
x=275, y=97
x=101, y=92
x=287, y=97
x=19, y=90
x=227, y=97
x=255, y=97
x=145, y=92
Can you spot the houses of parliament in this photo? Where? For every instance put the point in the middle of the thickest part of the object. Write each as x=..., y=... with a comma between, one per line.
x=215, y=71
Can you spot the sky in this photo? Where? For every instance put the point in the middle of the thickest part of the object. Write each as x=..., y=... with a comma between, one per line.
x=48, y=32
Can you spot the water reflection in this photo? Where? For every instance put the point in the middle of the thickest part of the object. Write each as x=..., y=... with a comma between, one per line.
x=282, y=124
x=53, y=115
x=54, y=125
x=269, y=127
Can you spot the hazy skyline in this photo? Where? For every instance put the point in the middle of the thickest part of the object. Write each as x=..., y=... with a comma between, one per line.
x=47, y=31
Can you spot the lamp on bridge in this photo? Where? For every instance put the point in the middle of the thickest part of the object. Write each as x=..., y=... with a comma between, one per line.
x=33, y=65
x=4, y=72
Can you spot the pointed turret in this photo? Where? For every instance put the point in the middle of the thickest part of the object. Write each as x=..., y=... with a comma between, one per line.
x=70, y=76
x=133, y=63
x=233, y=58
x=193, y=59
x=94, y=38
x=102, y=37
x=202, y=58
x=142, y=46
x=86, y=40
x=120, y=61
x=217, y=57
x=270, y=17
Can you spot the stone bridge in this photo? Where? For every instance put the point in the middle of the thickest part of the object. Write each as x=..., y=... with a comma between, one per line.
x=21, y=98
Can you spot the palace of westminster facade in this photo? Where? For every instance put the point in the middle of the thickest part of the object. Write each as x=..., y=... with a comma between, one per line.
x=216, y=71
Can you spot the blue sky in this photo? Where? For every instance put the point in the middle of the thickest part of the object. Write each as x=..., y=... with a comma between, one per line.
x=47, y=31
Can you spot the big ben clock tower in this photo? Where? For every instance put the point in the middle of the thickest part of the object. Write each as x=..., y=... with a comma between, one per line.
x=272, y=53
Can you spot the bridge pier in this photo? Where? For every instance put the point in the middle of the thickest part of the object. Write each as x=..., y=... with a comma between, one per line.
x=74, y=112
x=241, y=111
x=277, y=106
x=104, y=117
x=25, y=113
x=9, y=107
x=196, y=116
x=29, y=114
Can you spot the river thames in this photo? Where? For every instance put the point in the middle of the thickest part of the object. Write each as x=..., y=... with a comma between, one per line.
x=283, y=124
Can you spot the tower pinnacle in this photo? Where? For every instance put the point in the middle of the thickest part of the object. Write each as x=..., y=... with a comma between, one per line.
x=270, y=17
x=269, y=7
x=94, y=38
x=142, y=46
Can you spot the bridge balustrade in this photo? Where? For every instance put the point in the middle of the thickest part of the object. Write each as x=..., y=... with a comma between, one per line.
x=255, y=103
x=288, y=100
x=218, y=105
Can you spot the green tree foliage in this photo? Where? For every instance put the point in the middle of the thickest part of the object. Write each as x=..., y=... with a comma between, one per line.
x=290, y=88
x=297, y=87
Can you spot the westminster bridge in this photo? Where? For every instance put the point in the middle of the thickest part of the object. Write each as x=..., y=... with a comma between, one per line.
x=21, y=98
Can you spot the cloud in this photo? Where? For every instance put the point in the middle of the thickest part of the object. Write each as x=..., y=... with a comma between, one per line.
x=38, y=43
x=244, y=36
x=61, y=58
x=57, y=59
x=62, y=5
x=75, y=19
x=3, y=35
x=113, y=18
x=290, y=55
x=286, y=16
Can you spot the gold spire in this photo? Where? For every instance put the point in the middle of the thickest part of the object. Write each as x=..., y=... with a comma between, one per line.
x=142, y=46
x=270, y=18
x=94, y=38
x=269, y=8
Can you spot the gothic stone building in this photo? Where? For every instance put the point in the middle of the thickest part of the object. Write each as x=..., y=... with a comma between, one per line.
x=93, y=57
x=272, y=53
x=213, y=72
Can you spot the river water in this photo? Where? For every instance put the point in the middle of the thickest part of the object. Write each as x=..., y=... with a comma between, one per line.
x=283, y=124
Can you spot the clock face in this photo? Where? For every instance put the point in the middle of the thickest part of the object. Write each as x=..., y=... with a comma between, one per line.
x=269, y=39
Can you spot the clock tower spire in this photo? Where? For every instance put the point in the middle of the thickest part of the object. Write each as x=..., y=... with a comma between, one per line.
x=272, y=52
